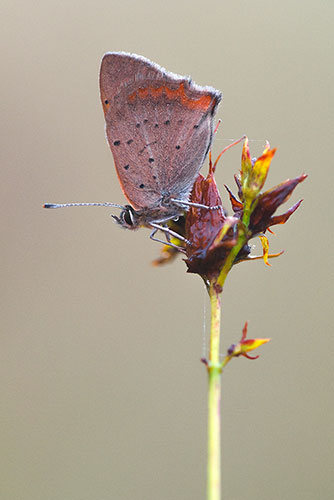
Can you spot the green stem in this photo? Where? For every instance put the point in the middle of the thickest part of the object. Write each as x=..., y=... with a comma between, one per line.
x=215, y=366
x=230, y=260
x=214, y=372
x=242, y=239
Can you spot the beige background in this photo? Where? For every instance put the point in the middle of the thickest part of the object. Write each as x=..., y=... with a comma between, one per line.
x=102, y=392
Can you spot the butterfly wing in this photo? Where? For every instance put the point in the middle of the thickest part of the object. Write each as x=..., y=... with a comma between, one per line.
x=158, y=125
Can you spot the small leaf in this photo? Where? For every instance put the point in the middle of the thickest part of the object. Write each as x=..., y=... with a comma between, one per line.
x=260, y=170
x=246, y=162
x=244, y=347
x=265, y=246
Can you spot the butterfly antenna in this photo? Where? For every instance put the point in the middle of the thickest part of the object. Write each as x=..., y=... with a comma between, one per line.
x=63, y=205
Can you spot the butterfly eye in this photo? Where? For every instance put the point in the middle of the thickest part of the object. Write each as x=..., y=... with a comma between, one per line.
x=127, y=216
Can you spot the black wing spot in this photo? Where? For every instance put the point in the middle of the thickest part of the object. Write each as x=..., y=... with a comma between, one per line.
x=126, y=167
x=145, y=121
x=129, y=141
x=177, y=147
x=106, y=101
x=141, y=186
x=137, y=125
x=156, y=125
x=196, y=126
x=117, y=143
x=154, y=177
x=151, y=160
x=167, y=122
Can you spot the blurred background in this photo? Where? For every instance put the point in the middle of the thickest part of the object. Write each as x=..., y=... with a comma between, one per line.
x=103, y=395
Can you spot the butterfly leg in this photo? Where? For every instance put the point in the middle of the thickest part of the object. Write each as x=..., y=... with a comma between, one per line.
x=168, y=242
x=196, y=205
x=169, y=231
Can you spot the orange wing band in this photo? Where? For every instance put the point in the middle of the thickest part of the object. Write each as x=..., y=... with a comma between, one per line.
x=202, y=103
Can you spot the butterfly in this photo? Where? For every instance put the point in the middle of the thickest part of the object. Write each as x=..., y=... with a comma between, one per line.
x=159, y=126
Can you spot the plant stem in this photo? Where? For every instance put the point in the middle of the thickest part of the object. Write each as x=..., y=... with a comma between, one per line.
x=214, y=372
x=242, y=239
x=215, y=367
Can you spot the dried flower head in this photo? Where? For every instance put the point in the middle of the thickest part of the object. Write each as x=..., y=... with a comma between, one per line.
x=214, y=239
x=211, y=233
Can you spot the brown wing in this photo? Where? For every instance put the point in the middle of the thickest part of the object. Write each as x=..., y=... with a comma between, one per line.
x=159, y=127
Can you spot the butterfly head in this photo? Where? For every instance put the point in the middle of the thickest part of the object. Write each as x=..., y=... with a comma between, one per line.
x=128, y=218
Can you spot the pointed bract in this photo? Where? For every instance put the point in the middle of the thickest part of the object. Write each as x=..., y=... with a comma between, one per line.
x=268, y=202
x=281, y=219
